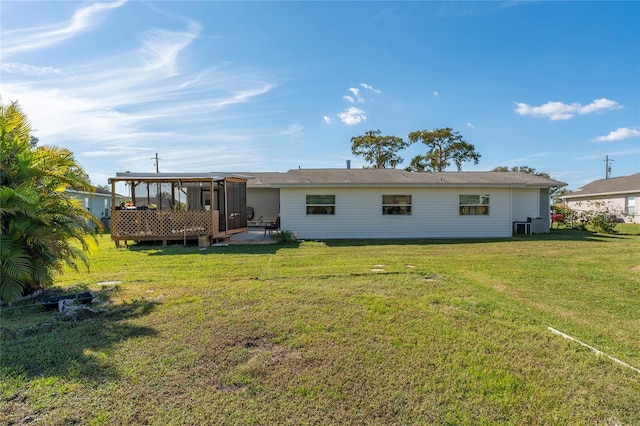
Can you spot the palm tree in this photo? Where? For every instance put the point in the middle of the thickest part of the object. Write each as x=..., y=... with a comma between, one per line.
x=38, y=220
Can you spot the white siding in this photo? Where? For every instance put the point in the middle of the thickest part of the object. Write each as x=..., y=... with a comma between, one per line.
x=435, y=214
x=525, y=203
x=265, y=202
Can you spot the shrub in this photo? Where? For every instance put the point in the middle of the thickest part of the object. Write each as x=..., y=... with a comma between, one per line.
x=285, y=237
x=600, y=216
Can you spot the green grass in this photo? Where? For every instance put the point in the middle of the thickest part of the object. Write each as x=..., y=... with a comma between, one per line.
x=356, y=332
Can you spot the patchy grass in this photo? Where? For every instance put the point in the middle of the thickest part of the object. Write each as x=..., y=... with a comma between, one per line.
x=358, y=332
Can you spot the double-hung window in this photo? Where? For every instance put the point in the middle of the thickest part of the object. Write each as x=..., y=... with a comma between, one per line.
x=473, y=204
x=321, y=204
x=396, y=204
x=630, y=205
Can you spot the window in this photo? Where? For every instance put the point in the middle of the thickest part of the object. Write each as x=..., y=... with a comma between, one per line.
x=396, y=204
x=321, y=204
x=630, y=205
x=473, y=204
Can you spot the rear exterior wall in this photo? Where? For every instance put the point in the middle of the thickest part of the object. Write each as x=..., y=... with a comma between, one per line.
x=434, y=213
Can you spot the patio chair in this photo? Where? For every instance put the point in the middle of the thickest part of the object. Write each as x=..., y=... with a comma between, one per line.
x=273, y=226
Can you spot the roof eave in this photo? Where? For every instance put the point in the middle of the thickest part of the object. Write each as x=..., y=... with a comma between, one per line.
x=600, y=194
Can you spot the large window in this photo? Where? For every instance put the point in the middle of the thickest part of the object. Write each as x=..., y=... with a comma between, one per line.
x=473, y=204
x=630, y=206
x=321, y=204
x=396, y=204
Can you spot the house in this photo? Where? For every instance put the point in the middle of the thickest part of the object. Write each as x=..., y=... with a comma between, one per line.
x=619, y=195
x=185, y=206
x=98, y=203
x=393, y=203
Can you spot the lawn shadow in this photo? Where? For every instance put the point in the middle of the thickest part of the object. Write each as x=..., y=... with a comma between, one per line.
x=217, y=249
x=554, y=235
x=39, y=343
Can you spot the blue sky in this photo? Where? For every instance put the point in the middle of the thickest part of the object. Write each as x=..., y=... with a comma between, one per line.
x=272, y=86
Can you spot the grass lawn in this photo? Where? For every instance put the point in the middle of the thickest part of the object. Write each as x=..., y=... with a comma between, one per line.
x=337, y=332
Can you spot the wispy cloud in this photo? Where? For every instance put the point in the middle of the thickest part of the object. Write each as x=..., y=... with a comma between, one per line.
x=470, y=125
x=84, y=19
x=146, y=97
x=29, y=70
x=160, y=48
x=619, y=134
x=293, y=132
x=561, y=111
x=435, y=93
x=635, y=151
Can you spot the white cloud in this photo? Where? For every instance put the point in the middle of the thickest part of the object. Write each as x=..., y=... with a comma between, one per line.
x=327, y=119
x=352, y=116
x=25, y=69
x=84, y=19
x=294, y=131
x=352, y=99
x=471, y=126
x=619, y=134
x=435, y=93
x=370, y=88
x=161, y=48
x=114, y=112
x=561, y=111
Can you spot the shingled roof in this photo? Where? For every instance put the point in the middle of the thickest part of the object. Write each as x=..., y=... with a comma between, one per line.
x=392, y=177
x=618, y=185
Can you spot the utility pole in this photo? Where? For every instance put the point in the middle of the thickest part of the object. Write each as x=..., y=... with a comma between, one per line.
x=607, y=167
x=157, y=163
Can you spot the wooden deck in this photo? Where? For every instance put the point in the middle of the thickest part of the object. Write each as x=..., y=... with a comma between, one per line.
x=158, y=225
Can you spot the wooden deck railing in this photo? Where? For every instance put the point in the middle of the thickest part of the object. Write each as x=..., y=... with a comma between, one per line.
x=145, y=225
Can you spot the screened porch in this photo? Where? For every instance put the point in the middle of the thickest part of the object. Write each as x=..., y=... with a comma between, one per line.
x=162, y=208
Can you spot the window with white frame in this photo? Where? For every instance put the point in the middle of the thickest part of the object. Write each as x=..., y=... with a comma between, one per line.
x=473, y=204
x=321, y=204
x=630, y=205
x=396, y=204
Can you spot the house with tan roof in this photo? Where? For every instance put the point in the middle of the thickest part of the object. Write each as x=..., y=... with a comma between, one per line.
x=619, y=195
x=333, y=204
x=393, y=203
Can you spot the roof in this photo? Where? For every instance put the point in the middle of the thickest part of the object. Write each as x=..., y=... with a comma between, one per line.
x=610, y=186
x=152, y=177
x=362, y=177
x=394, y=177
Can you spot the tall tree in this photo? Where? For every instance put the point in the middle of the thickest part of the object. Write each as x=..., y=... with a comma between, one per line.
x=445, y=146
x=38, y=219
x=379, y=151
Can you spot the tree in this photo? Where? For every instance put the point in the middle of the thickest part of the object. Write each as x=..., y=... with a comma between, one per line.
x=380, y=151
x=38, y=219
x=445, y=146
x=555, y=192
x=521, y=169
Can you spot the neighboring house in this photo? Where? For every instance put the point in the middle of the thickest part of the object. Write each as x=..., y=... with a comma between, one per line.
x=393, y=203
x=98, y=202
x=619, y=194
